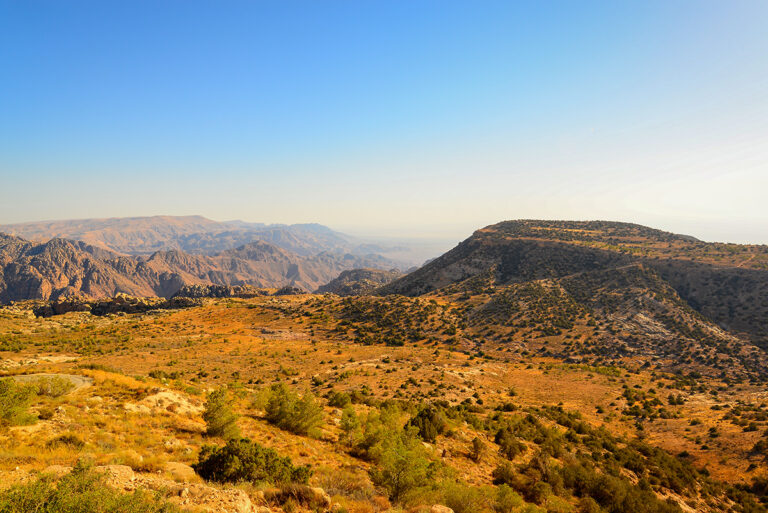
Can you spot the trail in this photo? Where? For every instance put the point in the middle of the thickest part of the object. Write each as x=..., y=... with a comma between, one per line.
x=748, y=260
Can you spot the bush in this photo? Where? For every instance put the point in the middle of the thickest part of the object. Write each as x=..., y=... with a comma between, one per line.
x=80, y=491
x=14, y=403
x=478, y=450
x=464, y=499
x=339, y=399
x=298, y=414
x=246, y=461
x=430, y=423
x=507, y=500
x=67, y=439
x=402, y=465
x=54, y=386
x=509, y=445
x=219, y=418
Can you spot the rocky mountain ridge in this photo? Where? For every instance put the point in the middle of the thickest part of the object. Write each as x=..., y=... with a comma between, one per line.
x=60, y=268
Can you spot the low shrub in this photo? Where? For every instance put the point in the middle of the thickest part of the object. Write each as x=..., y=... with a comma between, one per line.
x=70, y=440
x=245, y=461
x=464, y=499
x=14, y=403
x=53, y=386
x=82, y=490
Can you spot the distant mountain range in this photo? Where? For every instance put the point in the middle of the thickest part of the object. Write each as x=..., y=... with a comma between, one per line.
x=62, y=267
x=193, y=234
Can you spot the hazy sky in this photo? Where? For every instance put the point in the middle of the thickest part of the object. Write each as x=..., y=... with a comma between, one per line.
x=388, y=117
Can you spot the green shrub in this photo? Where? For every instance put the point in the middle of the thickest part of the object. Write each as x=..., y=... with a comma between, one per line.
x=219, y=418
x=506, y=500
x=402, y=465
x=504, y=474
x=430, y=423
x=464, y=499
x=53, y=386
x=339, y=399
x=298, y=414
x=509, y=445
x=246, y=461
x=81, y=491
x=14, y=403
x=478, y=449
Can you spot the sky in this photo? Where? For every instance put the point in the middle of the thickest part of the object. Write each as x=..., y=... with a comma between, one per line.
x=388, y=118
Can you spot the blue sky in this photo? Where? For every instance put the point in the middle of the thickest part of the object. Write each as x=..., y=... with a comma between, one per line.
x=414, y=118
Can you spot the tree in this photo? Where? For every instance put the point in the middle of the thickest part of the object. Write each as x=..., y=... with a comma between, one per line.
x=219, y=418
x=430, y=422
x=478, y=449
x=301, y=415
x=402, y=465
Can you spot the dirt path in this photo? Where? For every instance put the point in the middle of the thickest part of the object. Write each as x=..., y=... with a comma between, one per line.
x=78, y=381
x=745, y=262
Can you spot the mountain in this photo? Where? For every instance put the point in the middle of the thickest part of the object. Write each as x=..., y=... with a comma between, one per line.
x=194, y=234
x=61, y=267
x=607, y=291
x=357, y=282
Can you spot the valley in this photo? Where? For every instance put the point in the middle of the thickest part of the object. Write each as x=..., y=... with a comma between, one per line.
x=517, y=372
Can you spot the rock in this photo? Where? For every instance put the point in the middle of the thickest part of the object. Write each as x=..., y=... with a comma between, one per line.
x=439, y=508
x=201, y=291
x=180, y=471
x=290, y=291
x=57, y=470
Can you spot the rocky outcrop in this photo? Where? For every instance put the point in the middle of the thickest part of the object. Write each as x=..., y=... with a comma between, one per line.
x=122, y=303
x=290, y=291
x=218, y=291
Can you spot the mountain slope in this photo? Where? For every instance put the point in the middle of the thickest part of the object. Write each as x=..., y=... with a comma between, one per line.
x=651, y=296
x=61, y=267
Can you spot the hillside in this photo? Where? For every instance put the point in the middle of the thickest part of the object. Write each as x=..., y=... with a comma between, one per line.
x=651, y=295
x=397, y=387
x=358, y=281
x=61, y=267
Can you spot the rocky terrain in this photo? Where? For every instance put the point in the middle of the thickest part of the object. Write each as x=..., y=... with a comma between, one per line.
x=60, y=268
x=356, y=282
x=121, y=303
